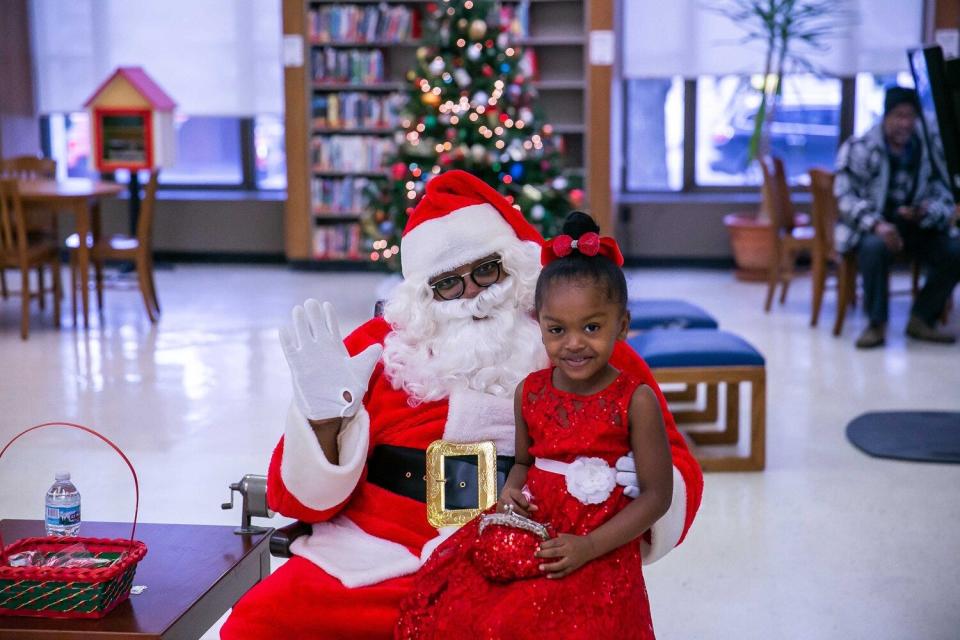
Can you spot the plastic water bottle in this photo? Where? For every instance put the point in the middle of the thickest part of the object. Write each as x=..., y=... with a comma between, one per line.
x=63, y=507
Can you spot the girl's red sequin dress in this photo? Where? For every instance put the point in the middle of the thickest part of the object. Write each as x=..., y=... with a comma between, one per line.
x=605, y=598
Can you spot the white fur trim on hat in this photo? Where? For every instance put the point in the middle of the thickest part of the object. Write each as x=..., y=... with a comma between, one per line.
x=453, y=240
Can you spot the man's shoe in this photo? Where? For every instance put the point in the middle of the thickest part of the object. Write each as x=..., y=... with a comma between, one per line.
x=872, y=336
x=920, y=330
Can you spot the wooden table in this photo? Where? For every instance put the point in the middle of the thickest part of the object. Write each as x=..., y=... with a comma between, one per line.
x=81, y=197
x=193, y=574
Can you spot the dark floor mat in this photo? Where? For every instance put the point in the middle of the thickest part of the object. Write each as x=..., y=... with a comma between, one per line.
x=924, y=436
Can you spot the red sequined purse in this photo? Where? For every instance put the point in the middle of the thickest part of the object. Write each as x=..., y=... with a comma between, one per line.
x=505, y=547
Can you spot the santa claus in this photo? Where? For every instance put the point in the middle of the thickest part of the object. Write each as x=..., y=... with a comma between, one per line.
x=457, y=336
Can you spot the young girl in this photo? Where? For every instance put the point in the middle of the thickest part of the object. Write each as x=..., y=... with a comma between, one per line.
x=573, y=421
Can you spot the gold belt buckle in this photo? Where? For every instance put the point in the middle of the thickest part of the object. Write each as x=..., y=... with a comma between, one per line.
x=437, y=513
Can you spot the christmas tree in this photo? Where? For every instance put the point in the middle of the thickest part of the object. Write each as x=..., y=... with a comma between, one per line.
x=471, y=106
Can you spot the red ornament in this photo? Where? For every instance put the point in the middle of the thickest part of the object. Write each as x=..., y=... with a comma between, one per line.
x=489, y=44
x=487, y=70
x=431, y=7
x=444, y=159
x=507, y=179
x=409, y=211
x=504, y=117
x=576, y=197
x=518, y=79
x=398, y=170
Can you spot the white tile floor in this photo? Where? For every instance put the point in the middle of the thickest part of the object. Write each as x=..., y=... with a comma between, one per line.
x=826, y=543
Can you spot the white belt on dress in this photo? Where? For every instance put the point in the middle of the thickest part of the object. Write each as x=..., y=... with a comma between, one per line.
x=590, y=480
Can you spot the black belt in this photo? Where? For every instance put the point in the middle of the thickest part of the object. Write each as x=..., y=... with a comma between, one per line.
x=403, y=470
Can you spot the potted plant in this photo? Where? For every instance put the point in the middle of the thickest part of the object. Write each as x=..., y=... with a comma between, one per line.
x=781, y=26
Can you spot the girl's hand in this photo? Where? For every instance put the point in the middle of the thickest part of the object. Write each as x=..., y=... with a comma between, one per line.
x=573, y=551
x=512, y=497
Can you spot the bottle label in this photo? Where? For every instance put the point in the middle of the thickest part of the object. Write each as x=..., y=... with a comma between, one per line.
x=58, y=516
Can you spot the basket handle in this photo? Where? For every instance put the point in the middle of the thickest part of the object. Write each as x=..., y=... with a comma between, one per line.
x=136, y=483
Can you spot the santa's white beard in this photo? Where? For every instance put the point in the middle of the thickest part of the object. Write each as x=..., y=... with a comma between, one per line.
x=437, y=347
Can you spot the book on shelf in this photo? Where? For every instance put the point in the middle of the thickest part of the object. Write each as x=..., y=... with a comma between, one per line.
x=338, y=196
x=352, y=110
x=337, y=242
x=354, y=66
x=354, y=24
x=349, y=153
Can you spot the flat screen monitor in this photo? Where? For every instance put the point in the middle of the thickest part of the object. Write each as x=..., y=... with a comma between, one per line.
x=938, y=88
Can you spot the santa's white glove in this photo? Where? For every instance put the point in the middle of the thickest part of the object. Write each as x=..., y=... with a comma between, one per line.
x=327, y=382
x=627, y=475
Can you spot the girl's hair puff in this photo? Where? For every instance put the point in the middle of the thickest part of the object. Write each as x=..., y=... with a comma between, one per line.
x=576, y=267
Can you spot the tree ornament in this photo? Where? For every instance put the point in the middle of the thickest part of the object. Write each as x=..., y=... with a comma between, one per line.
x=576, y=198
x=437, y=66
x=478, y=29
x=559, y=183
x=430, y=99
x=477, y=152
x=462, y=77
x=537, y=212
x=487, y=71
x=473, y=53
x=480, y=97
x=516, y=171
x=398, y=170
x=422, y=53
x=503, y=40
x=531, y=193
x=462, y=24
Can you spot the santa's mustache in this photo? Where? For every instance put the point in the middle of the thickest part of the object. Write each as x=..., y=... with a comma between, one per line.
x=481, y=306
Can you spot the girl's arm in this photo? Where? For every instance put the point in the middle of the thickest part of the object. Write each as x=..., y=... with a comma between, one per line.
x=512, y=493
x=648, y=441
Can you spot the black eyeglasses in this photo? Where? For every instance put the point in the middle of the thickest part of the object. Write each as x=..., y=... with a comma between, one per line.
x=483, y=275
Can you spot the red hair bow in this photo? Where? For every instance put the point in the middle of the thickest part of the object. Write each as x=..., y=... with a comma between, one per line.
x=589, y=244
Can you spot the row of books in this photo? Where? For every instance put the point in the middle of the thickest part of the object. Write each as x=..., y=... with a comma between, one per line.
x=517, y=18
x=349, y=153
x=338, y=195
x=357, y=109
x=352, y=23
x=337, y=242
x=358, y=66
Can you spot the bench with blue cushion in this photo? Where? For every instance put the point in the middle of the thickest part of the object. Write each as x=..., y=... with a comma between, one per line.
x=712, y=357
x=647, y=314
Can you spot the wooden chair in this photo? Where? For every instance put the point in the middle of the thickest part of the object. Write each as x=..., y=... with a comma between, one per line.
x=25, y=168
x=789, y=240
x=19, y=251
x=138, y=249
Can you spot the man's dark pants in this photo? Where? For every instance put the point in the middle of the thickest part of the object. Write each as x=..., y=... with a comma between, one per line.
x=937, y=251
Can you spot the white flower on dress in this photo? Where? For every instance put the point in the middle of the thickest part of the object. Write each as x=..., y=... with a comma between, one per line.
x=590, y=480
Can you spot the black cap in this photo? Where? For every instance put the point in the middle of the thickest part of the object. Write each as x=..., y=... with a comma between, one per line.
x=900, y=95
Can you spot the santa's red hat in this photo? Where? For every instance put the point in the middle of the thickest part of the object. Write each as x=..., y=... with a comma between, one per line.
x=460, y=219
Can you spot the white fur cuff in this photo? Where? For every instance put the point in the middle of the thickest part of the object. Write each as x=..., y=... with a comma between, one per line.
x=307, y=473
x=665, y=532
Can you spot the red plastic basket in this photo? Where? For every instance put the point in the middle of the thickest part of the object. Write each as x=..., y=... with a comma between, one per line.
x=58, y=592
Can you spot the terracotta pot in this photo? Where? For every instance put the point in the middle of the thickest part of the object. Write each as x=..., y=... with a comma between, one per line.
x=752, y=245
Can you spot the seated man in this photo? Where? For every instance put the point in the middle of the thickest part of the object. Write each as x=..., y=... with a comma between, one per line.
x=457, y=336
x=891, y=201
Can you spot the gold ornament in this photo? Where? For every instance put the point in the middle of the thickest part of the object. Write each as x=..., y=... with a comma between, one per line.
x=478, y=29
x=430, y=99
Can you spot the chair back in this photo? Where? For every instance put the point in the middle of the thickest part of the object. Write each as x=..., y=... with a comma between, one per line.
x=13, y=235
x=824, y=212
x=147, y=207
x=776, y=195
x=27, y=167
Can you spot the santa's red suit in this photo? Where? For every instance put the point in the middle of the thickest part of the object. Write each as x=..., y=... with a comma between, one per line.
x=347, y=578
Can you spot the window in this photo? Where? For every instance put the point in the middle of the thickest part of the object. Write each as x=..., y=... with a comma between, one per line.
x=654, y=115
x=271, y=154
x=805, y=130
x=207, y=152
x=211, y=152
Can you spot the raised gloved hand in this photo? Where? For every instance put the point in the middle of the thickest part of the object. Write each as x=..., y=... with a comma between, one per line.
x=627, y=475
x=327, y=382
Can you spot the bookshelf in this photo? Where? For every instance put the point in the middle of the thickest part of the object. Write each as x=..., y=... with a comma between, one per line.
x=323, y=184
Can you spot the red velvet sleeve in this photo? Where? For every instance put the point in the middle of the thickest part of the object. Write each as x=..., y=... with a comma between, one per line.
x=626, y=359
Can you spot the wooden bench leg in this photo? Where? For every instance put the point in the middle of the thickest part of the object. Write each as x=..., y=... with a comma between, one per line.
x=687, y=394
x=708, y=414
x=730, y=434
